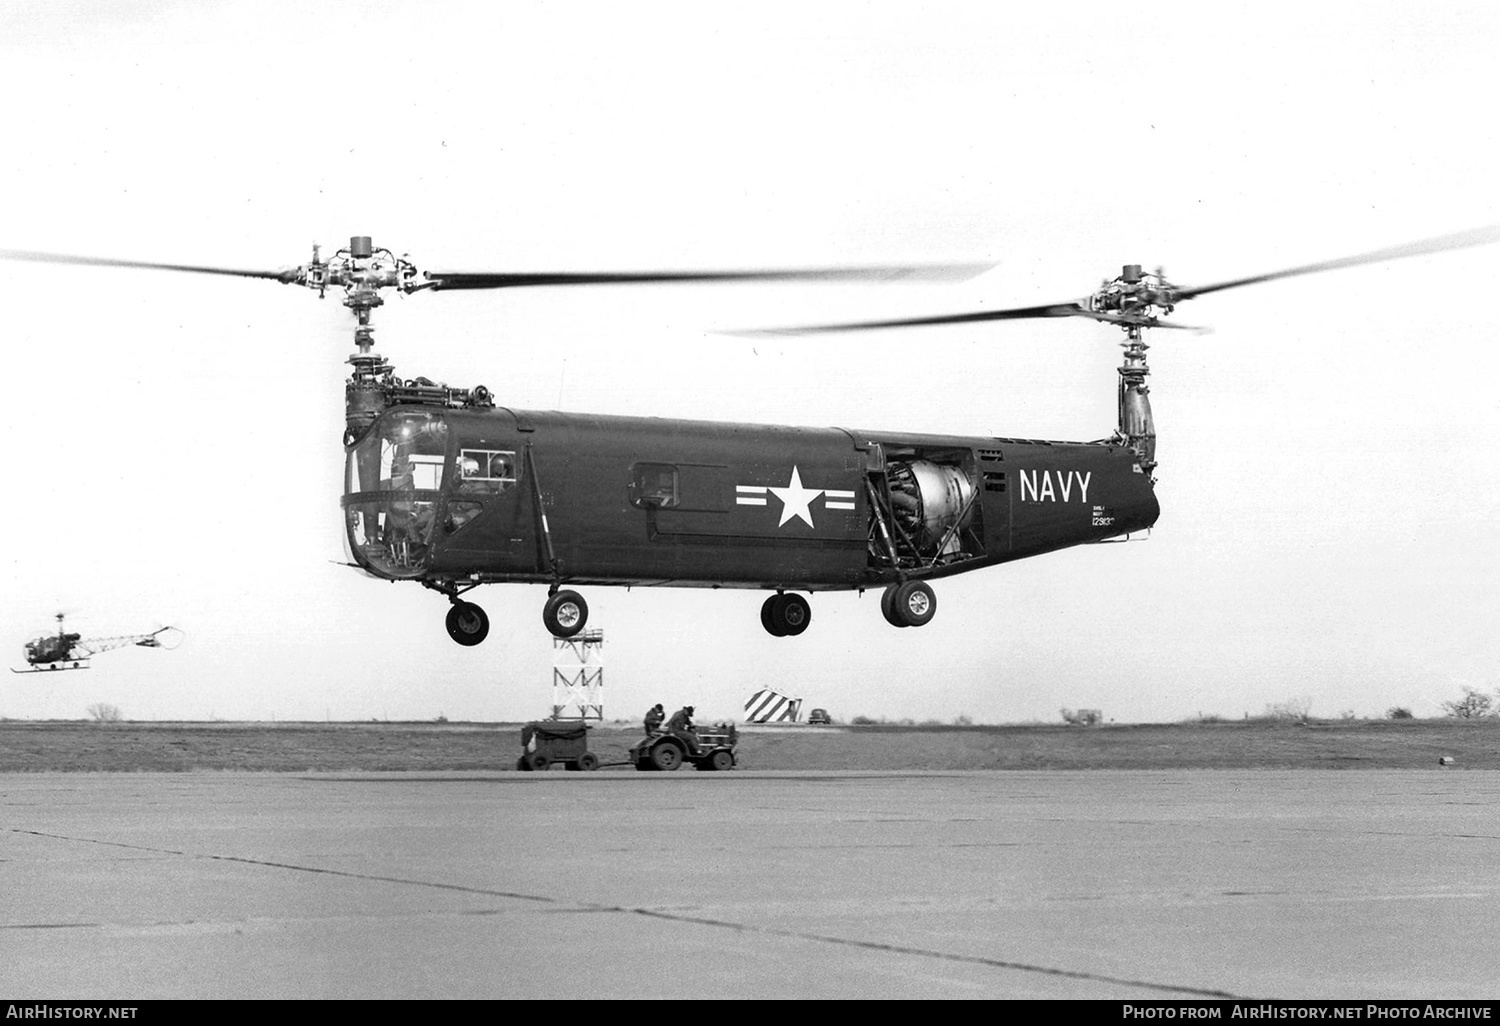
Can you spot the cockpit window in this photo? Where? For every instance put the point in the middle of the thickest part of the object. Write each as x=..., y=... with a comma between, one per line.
x=393, y=476
x=486, y=471
x=403, y=452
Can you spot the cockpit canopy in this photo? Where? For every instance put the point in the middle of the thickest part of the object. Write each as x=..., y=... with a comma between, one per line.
x=392, y=484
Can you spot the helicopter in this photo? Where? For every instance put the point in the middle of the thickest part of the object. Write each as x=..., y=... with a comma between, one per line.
x=67, y=650
x=445, y=488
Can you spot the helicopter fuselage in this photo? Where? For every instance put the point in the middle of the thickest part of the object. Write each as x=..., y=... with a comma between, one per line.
x=457, y=497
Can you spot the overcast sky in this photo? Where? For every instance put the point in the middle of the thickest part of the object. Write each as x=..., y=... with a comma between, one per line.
x=1327, y=479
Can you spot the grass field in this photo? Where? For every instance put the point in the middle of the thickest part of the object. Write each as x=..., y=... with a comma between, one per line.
x=297, y=747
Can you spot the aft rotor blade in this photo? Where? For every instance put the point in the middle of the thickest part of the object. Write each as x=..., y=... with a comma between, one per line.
x=1458, y=240
x=1014, y=314
x=33, y=256
x=454, y=280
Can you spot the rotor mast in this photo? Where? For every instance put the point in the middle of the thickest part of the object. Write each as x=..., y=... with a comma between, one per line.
x=1133, y=301
x=1137, y=429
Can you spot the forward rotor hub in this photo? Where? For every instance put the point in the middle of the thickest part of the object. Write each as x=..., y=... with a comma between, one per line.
x=1135, y=298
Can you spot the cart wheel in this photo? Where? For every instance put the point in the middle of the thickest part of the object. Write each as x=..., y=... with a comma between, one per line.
x=571, y=765
x=588, y=762
x=521, y=764
x=538, y=761
x=666, y=756
x=721, y=760
x=645, y=765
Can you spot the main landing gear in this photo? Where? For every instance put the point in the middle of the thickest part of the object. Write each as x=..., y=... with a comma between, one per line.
x=909, y=604
x=564, y=616
x=784, y=615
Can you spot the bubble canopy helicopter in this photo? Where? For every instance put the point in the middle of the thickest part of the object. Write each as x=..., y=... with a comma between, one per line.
x=448, y=489
x=69, y=650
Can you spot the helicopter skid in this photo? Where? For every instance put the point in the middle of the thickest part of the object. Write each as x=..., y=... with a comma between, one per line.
x=70, y=664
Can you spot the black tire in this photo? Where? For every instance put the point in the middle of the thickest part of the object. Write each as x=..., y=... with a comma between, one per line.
x=888, y=608
x=915, y=603
x=644, y=765
x=723, y=759
x=538, y=761
x=588, y=762
x=768, y=617
x=467, y=624
x=571, y=765
x=521, y=764
x=792, y=614
x=565, y=614
x=666, y=756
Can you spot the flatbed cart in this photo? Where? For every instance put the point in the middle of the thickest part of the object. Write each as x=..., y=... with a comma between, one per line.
x=546, y=742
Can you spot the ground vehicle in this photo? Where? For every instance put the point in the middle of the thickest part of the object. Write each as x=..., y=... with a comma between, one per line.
x=819, y=718
x=708, y=748
x=546, y=742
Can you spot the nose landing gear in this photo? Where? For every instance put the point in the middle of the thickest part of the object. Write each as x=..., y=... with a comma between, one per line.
x=467, y=623
x=564, y=616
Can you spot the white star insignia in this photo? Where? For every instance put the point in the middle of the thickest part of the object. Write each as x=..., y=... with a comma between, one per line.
x=795, y=499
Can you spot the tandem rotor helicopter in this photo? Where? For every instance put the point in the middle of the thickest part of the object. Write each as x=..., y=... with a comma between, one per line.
x=448, y=489
x=67, y=650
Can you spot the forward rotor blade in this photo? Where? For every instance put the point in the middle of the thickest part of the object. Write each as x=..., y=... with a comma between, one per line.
x=1458, y=240
x=1014, y=314
x=454, y=280
x=33, y=256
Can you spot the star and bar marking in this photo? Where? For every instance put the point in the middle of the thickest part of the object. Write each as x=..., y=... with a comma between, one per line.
x=796, y=498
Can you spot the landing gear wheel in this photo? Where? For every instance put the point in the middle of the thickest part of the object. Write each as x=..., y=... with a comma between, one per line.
x=768, y=618
x=521, y=764
x=792, y=614
x=666, y=757
x=914, y=603
x=888, y=609
x=721, y=760
x=785, y=616
x=538, y=762
x=588, y=762
x=565, y=614
x=467, y=624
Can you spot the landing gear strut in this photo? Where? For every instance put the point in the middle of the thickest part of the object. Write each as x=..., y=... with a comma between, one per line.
x=784, y=615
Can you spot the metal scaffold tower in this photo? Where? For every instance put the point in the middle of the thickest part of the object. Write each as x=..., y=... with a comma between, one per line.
x=578, y=676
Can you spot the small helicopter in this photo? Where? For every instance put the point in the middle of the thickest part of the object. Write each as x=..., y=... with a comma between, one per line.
x=67, y=650
x=445, y=488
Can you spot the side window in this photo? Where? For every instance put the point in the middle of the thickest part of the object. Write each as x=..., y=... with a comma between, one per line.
x=653, y=486
x=486, y=471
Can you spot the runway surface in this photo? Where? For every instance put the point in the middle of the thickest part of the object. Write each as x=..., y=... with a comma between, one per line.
x=618, y=884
